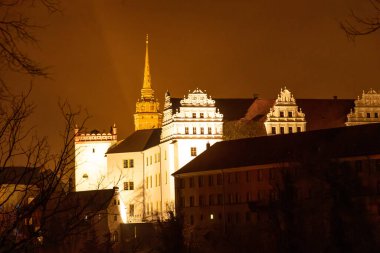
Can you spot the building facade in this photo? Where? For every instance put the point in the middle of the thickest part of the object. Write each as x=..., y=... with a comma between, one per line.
x=366, y=110
x=285, y=116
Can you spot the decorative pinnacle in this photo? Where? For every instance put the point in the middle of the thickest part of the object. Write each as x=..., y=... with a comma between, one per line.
x=147, y=91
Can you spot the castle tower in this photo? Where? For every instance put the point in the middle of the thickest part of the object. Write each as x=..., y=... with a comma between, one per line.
x=90, y=160
x=285, y=116
x=147, y=114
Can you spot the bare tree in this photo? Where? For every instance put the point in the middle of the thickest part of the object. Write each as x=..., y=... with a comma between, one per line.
x=358, y=25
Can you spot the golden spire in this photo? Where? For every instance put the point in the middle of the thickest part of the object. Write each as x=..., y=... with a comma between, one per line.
x=146, y=91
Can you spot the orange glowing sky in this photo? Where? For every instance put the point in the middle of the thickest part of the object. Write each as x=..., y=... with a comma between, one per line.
x=231, y=48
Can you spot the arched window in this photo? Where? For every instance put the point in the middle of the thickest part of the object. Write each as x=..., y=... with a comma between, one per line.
x=115, y=236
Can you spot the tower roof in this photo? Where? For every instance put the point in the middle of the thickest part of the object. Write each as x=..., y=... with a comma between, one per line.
x=147, y=91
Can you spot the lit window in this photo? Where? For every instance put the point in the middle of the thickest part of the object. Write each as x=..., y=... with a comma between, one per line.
x=193, y=151
x=201, y=115
x=186, y=130
x=211, y=216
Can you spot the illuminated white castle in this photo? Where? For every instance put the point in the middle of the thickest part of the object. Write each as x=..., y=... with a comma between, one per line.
x=141, y=165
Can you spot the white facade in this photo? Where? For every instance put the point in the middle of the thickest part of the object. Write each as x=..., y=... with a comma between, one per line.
x=90, y=162
x=285, y=117
x=367, y=109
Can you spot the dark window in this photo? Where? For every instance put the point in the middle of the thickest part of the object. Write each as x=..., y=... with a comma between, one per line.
x=290, y=130
x=260, y=175
x=377, y=165
x=273, y=130
x=282, y=130
x=281, y=114
x=209, y=130
x=125, y=163
x=191, y=182
x=211, y=200
x=131, y=210
x=248, y=176
x=290, y=114
x=376, y=115
x=191, y=201
x=128, y=186
x=128, y=163
x=211, y=180
x=201, y=201
x=220, y=199
x=202, y=130
x=368, y=115
x=247, y=216
x=191, y=220
x=201, y=115
x=182, y=183
x=194, y=130
x=236, y=177
x=186, y=130
x=93, y=150
x=219, y=179
x=298, y=129
x=201, y=181
x=131, y=163
x=194, y=115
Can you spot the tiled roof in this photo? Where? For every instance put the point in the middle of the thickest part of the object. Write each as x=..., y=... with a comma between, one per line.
x=138, y=141
x=95, y=201
x=335, y=142
x=319, y=113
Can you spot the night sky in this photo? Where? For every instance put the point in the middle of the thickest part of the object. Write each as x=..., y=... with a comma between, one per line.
x=232, y=48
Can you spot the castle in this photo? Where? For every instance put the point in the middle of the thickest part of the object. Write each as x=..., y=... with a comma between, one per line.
x=141, y=165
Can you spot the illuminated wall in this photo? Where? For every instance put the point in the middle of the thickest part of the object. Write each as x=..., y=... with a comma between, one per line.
x=367, y=109
x=285, y=117
x=90, y=162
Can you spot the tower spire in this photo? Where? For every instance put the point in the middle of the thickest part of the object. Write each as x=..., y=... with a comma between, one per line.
x=147, y=91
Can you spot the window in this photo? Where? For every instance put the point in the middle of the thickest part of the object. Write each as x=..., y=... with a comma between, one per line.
x=248, y=176
x=298, y=129
x=282, y=130
x=147, y=161
x=182, y=183
x=201, y=115
x=201, y=200
x=85, y=176
x=290, y=130
x=186, y=131
x=220, y=199
x=115, y=237
x=191, y=220
x=281, y=114
x=211, y=199
x=191, y=182
x=194, y=130
x=376, y=115
x=93, y=150
x=201, y=181
x=202, y=130
x=131, y=210
x=273, y=130
x=191, y=201
x=194, y=115
x=128, y=163
x=115, y=217
x=210, y=180
x=150, y=160
x=128, y=186
x=193, y=151
x=150, y=181
x=209, y=130
x=290, y=114
x=260, y=175
x=219, y=179
x=368, y=115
